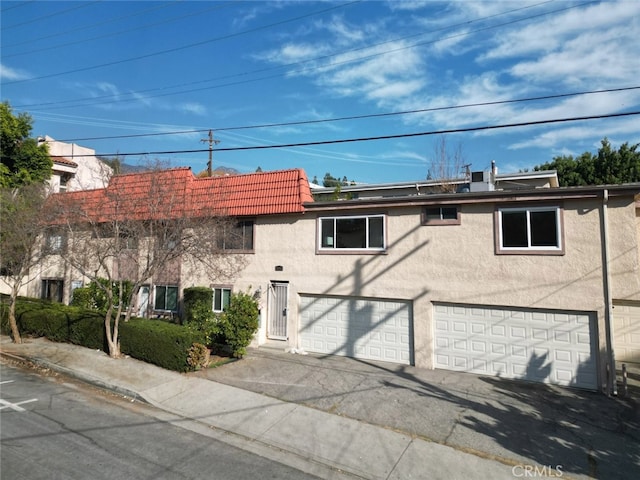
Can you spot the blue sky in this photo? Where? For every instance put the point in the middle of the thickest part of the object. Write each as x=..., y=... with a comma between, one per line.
x=129, y=77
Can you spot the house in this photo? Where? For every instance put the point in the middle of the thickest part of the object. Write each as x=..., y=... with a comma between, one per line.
x=75, y=167
x=541, y=284
x=473, y=181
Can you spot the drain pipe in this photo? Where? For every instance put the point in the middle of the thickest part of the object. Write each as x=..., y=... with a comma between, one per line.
x=608, y=311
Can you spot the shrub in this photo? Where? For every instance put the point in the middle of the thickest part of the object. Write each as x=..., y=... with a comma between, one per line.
x=86, y=328
x=93, y=296
x=164, y=344
x=239, y=323
x=197, y=302
x=198, y=356
x=82, y=298
x=161, y=343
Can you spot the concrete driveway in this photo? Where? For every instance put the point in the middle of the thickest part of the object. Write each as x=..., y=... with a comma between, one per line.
x=579, y=433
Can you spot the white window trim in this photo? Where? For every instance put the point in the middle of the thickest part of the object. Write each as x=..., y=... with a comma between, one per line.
x=353, y=217
x=213, y=300
x=558, y=249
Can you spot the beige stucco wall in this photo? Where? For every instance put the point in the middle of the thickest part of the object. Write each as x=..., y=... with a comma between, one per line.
x=454, y=263
x=426, y=264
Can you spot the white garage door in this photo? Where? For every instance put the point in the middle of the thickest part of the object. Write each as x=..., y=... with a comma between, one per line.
x=541, y=346
x=357, y=327
x=626, y=332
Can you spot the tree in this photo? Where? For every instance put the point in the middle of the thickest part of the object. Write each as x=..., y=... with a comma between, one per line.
x=608, y=166
x=139, y=228
x=24, y=161
x=21, y=211
x=446, y=164
x=331, y=181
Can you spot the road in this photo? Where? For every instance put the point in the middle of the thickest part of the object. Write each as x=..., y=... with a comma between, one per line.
x=54, y=428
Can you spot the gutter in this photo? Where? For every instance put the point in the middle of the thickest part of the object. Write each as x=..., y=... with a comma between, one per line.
x=611, y=385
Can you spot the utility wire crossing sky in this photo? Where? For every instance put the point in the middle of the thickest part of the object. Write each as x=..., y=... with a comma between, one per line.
x=311, y=84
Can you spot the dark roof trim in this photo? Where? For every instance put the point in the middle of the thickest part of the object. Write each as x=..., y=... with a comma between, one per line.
x=540, y=194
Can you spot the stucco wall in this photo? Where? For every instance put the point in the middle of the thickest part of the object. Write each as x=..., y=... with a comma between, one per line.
x=426, y=264
x=455, y=263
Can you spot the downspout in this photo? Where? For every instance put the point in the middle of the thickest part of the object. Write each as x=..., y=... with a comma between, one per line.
x=608, y=311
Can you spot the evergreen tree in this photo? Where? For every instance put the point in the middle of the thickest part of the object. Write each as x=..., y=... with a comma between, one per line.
x=24, y=161
x=608, y=167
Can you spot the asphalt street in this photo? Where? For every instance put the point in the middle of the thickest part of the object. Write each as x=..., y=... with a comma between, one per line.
x=54, y=429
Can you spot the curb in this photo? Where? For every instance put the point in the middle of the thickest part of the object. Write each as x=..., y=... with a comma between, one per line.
x=26, y=361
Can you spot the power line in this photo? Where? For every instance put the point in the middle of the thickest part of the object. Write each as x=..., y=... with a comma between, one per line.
x=99, y=100
x=16, y=5
x=110, y=34
x=183, y=47
x=383, y=137
x=358, y=117
x=54, y=14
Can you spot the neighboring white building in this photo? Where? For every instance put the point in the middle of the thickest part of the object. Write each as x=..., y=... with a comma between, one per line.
x=75, y=167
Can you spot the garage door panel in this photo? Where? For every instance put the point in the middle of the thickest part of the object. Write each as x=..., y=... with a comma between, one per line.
x=626, y=332
x=369, y=329
x=542, y=346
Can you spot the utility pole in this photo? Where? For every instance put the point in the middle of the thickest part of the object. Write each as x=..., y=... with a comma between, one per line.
x=212, y=142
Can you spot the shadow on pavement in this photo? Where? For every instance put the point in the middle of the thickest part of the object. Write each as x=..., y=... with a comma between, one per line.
x=585, y=433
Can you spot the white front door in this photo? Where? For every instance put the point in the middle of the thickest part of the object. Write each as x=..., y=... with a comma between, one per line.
x=278, y=310
x=143, y=301
x=541, y=346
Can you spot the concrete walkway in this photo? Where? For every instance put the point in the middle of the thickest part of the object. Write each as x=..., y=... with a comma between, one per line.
x=356, y=438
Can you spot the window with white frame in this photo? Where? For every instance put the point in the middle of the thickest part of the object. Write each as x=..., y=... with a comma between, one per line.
x=166, y=298
x=366, y=232
x=221, y=298
x=530, y=230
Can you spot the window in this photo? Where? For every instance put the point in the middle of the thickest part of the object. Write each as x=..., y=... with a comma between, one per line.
x=128, y=241
x=55, y=242
x=169, y=240
x=446, y=215
x=52, y=289
x=64, y=181
x=128, y=238
x=166, y=298
x=221, y=298
x=237, y=237
x=530, y=230
x=352, y=233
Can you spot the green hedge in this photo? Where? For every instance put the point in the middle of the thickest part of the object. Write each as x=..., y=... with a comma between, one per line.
x=161, y=343
x=164, y=344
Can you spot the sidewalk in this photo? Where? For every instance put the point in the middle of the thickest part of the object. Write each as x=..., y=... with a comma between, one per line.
x=332, y=445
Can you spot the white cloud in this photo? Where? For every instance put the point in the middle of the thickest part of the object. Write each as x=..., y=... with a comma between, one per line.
x=193, y=107
x=559, y=136
x=12, y=74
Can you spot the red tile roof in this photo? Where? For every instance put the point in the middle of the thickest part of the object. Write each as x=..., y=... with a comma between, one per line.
x=177, y=193
x=64, y=161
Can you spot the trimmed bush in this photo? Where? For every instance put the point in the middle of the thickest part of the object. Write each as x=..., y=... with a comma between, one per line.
x=86, y=328
x=164, y=344
x=239, y=323
x=197, y=302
